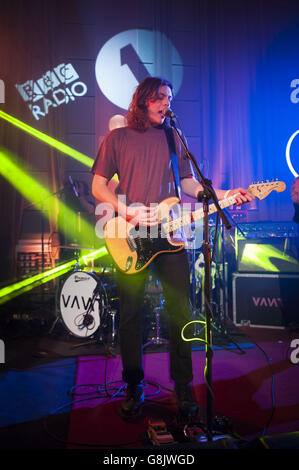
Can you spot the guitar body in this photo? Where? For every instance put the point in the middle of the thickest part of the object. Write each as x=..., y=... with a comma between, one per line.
x=133, y=248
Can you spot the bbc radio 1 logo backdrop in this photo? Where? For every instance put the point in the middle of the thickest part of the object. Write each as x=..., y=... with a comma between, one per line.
x=130, y=56
x=54, y=88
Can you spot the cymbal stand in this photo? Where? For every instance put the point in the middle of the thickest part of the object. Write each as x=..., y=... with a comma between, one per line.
x=157, y=339
x=113, y=332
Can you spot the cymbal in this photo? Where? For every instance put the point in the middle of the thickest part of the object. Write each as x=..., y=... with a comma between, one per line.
x=74, y=247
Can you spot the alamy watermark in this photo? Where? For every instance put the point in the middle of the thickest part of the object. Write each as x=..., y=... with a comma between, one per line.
x=294, y=357
x=2, y=351
x=2, y=92
x=176, y=222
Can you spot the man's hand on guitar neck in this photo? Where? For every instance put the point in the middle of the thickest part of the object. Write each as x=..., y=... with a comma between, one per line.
x=243, y=195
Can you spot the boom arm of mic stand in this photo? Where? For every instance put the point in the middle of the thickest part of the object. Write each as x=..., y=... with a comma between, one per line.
x=207, y=187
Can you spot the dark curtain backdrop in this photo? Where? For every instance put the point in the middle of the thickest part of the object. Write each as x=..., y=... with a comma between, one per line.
x=233, y=63
x=28, y=48
x=238, y=60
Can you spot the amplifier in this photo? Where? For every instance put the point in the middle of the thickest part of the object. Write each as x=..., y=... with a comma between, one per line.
x=29, y=256
x=265, y=300
x=267, y=229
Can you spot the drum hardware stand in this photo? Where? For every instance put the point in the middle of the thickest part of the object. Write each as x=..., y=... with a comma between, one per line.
x=99, y=335
x=205, y=196
x=219, y=316
x=223, y=316
x=197, y=328
x=113, y=334
x=193, y=304
x=156, y=339
x=77, y=264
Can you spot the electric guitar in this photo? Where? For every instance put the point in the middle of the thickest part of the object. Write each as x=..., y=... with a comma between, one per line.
x=134, y=247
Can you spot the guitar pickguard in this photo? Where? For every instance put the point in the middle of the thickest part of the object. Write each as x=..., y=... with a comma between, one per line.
x=148, y=242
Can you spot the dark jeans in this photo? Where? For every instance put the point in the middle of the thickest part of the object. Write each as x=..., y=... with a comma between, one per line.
x=173, y=272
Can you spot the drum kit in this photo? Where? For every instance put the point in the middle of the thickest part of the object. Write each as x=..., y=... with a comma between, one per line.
x=87, y=305
x=86, y=302
x=83, y=303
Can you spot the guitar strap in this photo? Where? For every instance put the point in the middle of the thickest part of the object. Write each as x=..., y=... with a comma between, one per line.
x=173, y=159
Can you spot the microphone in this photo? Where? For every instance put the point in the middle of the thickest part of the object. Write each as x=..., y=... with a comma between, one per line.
x=168, y=112
x=73, y=185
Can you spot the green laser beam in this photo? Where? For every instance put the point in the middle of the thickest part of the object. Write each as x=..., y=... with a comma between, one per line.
x=6, y=292
x=9, y=292
x=94, y=255
x=11, y=169
x=267, y=257
x=33, y=191
x=61, y=147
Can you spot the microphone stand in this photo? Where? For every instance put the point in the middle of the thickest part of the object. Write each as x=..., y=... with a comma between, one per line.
x=206, y=195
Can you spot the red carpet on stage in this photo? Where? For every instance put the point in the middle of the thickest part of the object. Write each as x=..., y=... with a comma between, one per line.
x=257, y=391
x=59, y=396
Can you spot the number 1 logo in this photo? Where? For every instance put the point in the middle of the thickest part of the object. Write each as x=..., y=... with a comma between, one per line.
x=130, y=56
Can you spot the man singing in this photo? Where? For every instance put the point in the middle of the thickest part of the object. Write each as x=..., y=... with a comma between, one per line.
x=139, y=155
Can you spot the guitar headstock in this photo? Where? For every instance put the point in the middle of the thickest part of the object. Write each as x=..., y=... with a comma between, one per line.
x=263, y=189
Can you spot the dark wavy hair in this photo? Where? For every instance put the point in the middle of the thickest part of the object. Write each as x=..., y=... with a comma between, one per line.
x=148, y=89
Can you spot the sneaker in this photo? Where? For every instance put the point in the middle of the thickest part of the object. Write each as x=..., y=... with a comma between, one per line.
x=134, y=400
x=185, y=401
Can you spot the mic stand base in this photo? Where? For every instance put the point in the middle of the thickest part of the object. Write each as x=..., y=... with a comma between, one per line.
x=220, y=327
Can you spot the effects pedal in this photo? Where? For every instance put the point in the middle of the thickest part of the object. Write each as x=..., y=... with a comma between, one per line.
x=158, y=433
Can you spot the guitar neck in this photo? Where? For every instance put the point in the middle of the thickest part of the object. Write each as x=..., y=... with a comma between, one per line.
x=188, y=218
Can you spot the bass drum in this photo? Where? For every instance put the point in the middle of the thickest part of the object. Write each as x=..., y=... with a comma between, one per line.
x=80, y=317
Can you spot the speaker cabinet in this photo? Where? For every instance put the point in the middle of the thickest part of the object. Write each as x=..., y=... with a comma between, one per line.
x=265, y=300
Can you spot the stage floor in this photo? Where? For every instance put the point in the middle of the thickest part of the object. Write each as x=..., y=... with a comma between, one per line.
x=58, y=392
